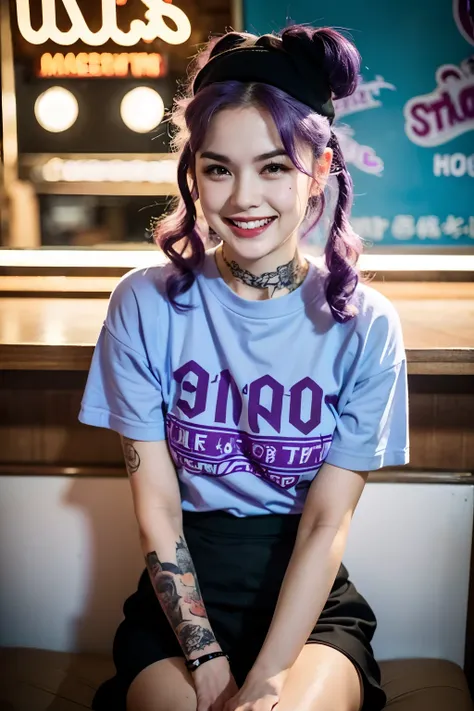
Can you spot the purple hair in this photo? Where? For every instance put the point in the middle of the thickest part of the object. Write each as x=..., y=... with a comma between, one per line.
x=178, y=233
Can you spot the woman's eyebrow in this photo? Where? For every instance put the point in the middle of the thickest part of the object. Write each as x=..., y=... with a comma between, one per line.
x=224, y=159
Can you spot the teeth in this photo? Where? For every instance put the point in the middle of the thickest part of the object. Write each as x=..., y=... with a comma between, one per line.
x=251, y=225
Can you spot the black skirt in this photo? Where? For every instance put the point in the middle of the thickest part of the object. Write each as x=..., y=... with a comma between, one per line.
x=240, y=564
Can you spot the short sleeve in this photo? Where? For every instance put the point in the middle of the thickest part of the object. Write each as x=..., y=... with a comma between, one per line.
x=372, y=430
x=123, y=391
x=372, y=412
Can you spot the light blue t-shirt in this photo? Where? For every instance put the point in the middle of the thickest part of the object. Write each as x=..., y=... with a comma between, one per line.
x=252, y=396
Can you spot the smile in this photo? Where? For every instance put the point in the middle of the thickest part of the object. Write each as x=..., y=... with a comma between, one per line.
x=251, y=224
x=249, y=228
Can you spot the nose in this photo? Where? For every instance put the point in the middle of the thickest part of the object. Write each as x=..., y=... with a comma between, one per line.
x=246, y=193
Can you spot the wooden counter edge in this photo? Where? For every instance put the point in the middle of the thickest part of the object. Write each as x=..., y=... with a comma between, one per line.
x=66, y=357
x=21, y=356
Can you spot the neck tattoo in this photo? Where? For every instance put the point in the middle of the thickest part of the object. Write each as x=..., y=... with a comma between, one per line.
x=287, y=276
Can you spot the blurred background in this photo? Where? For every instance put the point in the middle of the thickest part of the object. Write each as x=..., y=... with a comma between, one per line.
x=85, y=144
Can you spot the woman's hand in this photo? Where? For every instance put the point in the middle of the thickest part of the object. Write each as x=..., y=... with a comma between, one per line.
x=214, y=685
x=259, y=693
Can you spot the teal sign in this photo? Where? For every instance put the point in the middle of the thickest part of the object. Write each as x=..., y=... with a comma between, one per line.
x=408, y=131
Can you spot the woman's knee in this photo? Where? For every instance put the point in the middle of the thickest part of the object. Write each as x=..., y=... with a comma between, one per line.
x=322, y=679
x=163, y=686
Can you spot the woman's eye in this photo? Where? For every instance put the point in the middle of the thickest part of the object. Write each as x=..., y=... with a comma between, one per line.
x=216, y=170
x=275, y=168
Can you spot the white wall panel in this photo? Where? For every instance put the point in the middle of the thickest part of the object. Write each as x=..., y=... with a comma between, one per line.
x=69, y=556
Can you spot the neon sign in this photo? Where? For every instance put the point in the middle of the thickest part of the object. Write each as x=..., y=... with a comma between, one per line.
x=103, y=64
x=154, y=28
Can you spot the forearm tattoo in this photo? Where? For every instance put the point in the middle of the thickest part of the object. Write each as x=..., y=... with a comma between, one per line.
x=287, y=276
x=193, y=638
x=132, y=458
x=177, y=589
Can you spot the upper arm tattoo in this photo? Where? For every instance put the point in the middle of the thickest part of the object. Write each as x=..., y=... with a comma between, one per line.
x=132, y=458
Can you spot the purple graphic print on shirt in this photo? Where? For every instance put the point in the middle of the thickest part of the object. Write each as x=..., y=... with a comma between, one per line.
x=218, y=451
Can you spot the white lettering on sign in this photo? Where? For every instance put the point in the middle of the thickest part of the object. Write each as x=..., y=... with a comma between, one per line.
x=373, y=227
x=426, y=227
x=154, y=28
x=363, y=98
x=363, y=157
x=455, y=164
x=408, y=227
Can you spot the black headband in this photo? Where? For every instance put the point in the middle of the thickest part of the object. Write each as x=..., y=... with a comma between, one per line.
x=264, y=62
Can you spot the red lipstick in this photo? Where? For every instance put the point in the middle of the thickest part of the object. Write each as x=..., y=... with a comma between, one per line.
x=248, y=232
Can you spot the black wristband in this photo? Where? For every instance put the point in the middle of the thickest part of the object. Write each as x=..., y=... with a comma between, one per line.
x=193, y=664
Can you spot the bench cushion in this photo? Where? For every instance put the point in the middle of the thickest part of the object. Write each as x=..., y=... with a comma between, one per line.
x=32, y=679
x=425, y=685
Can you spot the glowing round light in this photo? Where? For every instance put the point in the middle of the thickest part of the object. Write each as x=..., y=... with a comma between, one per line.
x=142, y=109
x=56, y=109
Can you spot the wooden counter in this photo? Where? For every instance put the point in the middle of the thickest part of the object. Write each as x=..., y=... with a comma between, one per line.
x=47, y=338
x=44, y=325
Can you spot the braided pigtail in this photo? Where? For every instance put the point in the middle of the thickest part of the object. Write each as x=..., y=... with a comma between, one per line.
x=343, y=246
x=341, y=62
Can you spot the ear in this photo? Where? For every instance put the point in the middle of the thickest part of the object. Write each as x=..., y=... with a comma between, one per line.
x=321, y=168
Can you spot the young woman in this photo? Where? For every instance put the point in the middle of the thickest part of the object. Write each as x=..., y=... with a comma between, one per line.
x=253, y=391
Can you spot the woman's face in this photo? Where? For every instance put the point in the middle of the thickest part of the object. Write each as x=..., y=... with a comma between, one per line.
x=250, y=192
